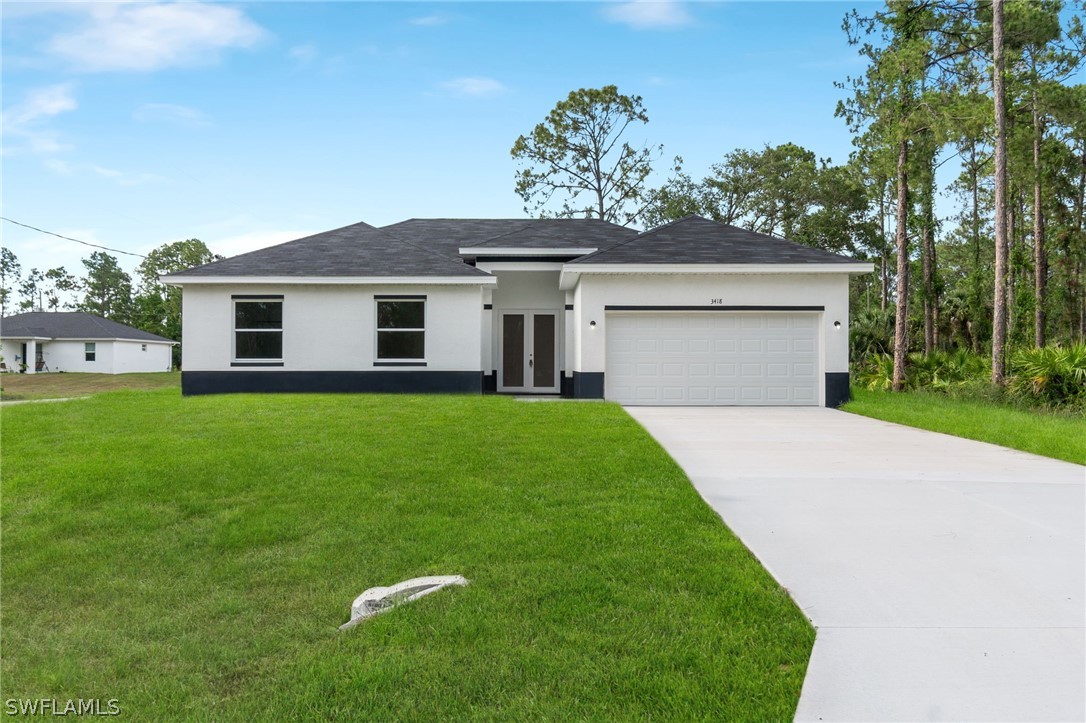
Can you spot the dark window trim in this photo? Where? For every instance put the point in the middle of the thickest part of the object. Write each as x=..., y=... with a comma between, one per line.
x=715, y=307
x=378, y=330
x=245, y=361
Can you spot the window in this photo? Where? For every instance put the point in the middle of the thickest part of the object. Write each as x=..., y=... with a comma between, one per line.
x=401, y=328
x=143, y=347
x=89, y=351
x=258, y=329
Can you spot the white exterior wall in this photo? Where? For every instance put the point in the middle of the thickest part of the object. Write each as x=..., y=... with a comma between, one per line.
x=69, y=356
x=130, y=356
x=332, y=327
x=595, y=291
x=111, y=356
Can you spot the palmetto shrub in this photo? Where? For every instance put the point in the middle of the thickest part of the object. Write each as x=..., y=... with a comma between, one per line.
x=1053, y=376
x=940, y=370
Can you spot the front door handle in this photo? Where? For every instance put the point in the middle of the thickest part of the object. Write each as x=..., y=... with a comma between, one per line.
x=531, y=363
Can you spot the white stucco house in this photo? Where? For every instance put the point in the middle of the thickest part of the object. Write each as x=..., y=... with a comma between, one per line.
x=691, y=313
x=72, y=341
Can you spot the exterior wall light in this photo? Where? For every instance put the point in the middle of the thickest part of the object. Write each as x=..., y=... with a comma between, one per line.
x=591, y=325
x=836, y=325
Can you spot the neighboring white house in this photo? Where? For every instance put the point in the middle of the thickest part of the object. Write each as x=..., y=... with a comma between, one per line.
x=691, y=313
x=72, y=341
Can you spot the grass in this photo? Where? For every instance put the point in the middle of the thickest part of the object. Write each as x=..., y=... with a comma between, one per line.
x=193, y=557
x=1051, y=435
x=78, y=384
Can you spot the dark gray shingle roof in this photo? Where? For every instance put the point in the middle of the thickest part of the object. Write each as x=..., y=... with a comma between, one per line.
x=356, y=250
x=449, y=235
x=70, y=325
x=697, y=240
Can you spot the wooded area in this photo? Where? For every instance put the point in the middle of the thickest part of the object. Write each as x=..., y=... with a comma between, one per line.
x=985, y=87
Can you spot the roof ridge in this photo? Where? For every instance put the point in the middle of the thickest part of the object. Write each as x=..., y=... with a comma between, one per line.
x=428, y=250
x=518, y=229
x=639, y=235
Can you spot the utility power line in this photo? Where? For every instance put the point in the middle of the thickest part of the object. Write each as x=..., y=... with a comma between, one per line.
x=69, y=238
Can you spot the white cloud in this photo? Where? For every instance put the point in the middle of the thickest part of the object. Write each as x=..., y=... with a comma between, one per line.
x=25, y=120
x=474, y=87
x=304, y=54
x=124, y=178
x=62, y=168
x=429, y=20
x=145, y=37
x=171, y=113
x=42, y=103
x=649, y=14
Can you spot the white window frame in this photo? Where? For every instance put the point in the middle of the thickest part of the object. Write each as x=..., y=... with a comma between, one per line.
x=413, y=298
x=90, y=347
x=234, y=335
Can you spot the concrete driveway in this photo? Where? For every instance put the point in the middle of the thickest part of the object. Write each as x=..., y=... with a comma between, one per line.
x=946, y=577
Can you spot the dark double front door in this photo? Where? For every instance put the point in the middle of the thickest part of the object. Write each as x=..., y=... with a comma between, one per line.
x=528, y=346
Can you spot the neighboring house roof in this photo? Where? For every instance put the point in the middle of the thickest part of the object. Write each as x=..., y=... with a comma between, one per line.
x=697, y=240
x=359, y=250
x=449, y=235
x=70, y=325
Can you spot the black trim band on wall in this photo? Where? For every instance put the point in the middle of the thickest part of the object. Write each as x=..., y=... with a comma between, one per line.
x=256, y=364
x=399, y=363
x=490, y=382
x=569, y=307
x=714, y=307
x=566, y=389
x=387, y=382
x=399, y=297
x=257, y=296
x=488, y=306
x=588, y=385
x=837, y=389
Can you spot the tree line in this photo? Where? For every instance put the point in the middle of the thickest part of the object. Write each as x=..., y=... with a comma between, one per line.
x=105, y=289
x=983, y=84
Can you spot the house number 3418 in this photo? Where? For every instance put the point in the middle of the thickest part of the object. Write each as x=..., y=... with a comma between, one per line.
x=716, y=301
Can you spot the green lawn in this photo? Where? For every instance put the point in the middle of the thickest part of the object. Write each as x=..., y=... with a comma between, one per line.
x=78, y=384
x=193, y=557
x=1052, y=435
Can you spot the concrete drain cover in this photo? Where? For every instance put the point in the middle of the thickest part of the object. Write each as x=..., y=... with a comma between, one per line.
x=377, y=600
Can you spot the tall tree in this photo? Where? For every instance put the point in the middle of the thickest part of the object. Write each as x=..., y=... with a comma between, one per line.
x=31, y=291
x=57, y=282
x=10, y=269
x=999, y=304
x=157, y=307
x=108, y=288
x=581, y=151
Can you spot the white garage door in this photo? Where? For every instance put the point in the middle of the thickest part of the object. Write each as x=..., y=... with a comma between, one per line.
x=713, y=358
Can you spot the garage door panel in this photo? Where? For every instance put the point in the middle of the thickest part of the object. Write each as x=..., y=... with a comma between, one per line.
x=721, y=358
x=750, y=346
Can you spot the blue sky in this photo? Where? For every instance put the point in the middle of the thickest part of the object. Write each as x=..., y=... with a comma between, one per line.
x=136, y=124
